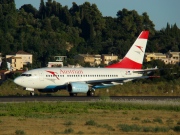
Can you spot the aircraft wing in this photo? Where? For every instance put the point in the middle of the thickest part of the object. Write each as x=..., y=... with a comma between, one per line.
x=117, y=80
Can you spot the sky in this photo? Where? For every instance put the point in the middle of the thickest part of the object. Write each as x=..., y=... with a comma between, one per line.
x=160, y=12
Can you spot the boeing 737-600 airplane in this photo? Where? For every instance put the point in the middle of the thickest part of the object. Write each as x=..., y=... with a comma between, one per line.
x=86, y=80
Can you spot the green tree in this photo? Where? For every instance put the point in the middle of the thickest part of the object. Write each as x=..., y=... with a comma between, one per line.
x=148, y=24
x=66, y=16
x=47, y=24
x=29, y=9
x=42, y=10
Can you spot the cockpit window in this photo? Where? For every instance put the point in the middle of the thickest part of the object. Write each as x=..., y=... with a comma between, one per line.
x=26, y=75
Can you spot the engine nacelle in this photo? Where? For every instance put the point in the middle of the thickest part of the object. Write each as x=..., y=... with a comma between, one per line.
x=77, y=87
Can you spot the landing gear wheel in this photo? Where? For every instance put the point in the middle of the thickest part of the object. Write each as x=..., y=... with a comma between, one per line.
x=88, y=93
x=31, y=93
x=73, y=94
x=91, y=93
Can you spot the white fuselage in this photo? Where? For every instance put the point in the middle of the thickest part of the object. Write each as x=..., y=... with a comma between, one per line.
x=51, y=77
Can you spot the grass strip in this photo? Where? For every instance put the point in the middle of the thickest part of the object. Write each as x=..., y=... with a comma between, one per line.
x=41, y=109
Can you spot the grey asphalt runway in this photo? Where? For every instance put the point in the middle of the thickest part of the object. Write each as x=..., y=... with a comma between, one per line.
x=81, y=98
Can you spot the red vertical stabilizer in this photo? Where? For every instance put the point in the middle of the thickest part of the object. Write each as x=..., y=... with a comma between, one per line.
x=134, y=57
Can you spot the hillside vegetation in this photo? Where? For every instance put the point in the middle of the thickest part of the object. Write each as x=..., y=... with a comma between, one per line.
x=56, y=30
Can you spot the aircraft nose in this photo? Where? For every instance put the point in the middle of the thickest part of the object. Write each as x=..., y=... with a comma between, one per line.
x=17, y=81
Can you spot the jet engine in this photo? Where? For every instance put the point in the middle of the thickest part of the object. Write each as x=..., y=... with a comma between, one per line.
x=77, y=87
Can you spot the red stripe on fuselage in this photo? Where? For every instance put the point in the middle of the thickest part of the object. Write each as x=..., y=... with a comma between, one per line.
x=126, y=63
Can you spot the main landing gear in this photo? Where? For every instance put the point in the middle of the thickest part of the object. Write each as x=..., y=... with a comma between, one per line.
x=72, y=94
x=91, y=93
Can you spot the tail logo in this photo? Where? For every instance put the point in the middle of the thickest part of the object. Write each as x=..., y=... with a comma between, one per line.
x=53, y=73
x=140, y=47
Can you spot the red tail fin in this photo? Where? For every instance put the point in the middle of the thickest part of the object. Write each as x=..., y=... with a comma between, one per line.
x=134, y=57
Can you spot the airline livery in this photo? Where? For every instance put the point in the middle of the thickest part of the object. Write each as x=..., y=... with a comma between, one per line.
x=86, y=80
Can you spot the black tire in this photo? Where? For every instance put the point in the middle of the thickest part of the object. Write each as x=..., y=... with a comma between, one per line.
x=91, y=93
x=88, y=93
x=73, y=94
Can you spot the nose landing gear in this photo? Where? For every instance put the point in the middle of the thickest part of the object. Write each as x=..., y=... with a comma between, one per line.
x=32, y=93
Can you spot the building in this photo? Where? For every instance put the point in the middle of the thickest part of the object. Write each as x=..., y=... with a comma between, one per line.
x=86, y=58
x=172, y=58
x=168, y=58
x=108, y=58
x=55, y=64
x=60, y=58
x=18, y=60
x=16, y=63
x=154, y=56
x=97, y=59
x=26, y=57
x=58, y=61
